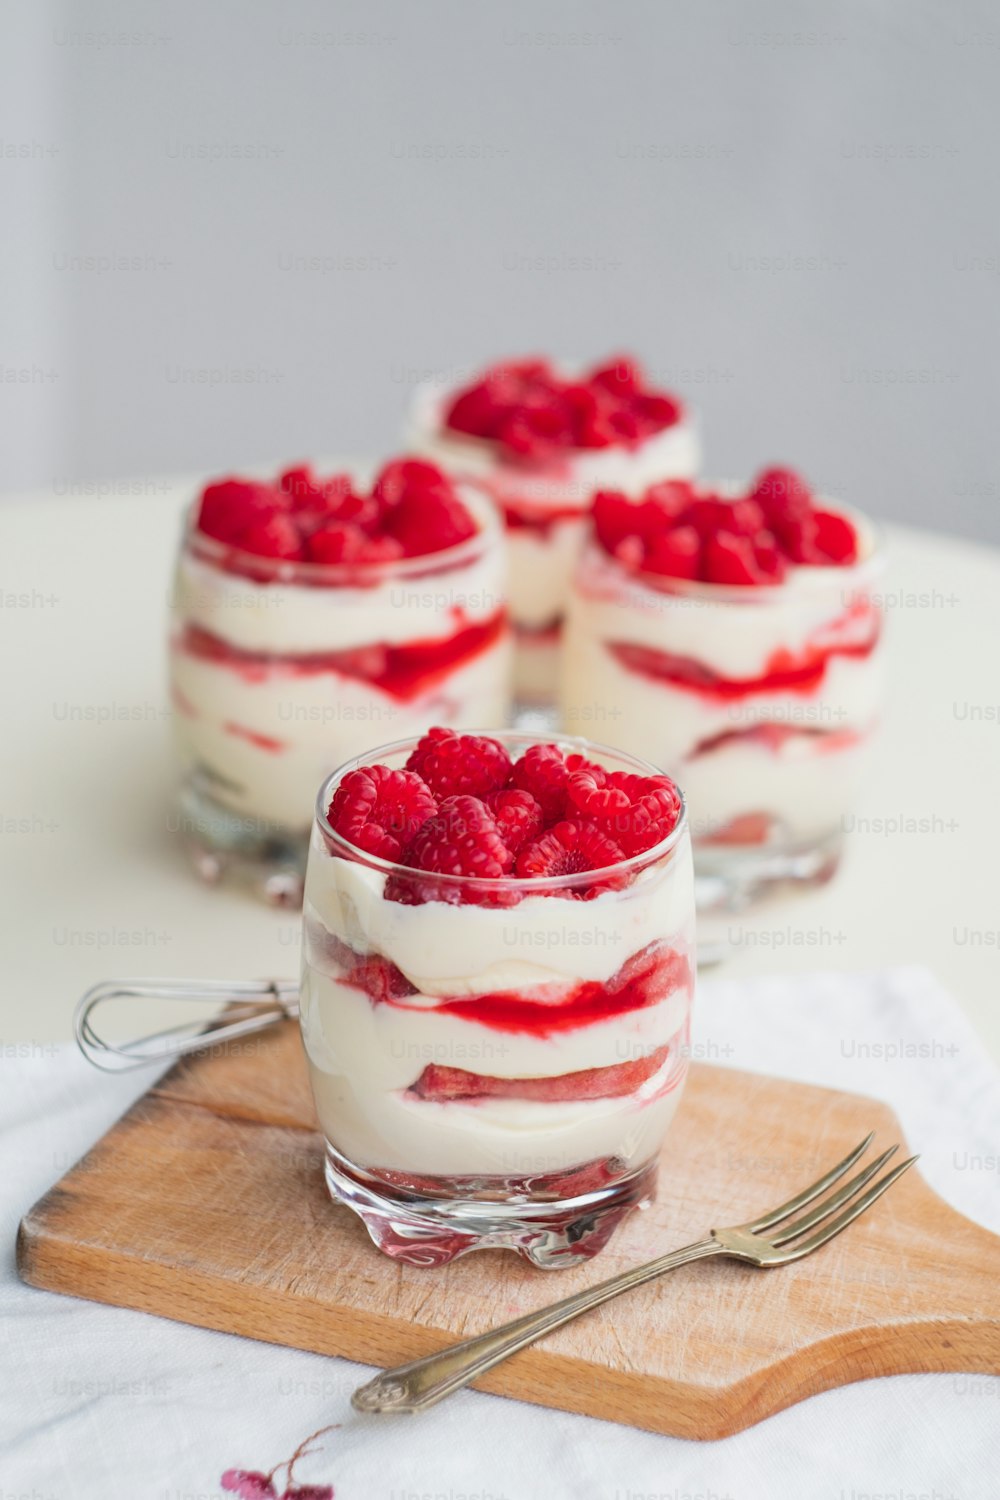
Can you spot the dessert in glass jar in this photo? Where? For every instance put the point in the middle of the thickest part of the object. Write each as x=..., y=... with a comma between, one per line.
x=496, y=990
x=544, y=440
x=310, y=618
x=735, y=639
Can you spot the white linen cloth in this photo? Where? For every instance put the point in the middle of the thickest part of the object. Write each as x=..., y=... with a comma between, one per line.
x=104, y=1403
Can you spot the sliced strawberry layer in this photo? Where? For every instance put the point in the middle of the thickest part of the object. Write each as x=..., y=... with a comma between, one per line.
x=786, y=671
x=403, y=672
x=647, y=978
x=615, y=1082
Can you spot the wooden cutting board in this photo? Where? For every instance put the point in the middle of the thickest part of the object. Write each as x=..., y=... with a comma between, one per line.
x=206, y=1204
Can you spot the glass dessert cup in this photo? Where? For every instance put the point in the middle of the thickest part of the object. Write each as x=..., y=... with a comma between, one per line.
x=279, y=670
x=761, y=701
x=545, y=505
x=495, y=1062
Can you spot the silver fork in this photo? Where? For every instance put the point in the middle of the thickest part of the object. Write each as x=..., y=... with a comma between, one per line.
x=425, y=1382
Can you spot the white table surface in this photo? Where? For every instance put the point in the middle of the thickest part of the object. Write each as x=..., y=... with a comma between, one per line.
x=95, y=885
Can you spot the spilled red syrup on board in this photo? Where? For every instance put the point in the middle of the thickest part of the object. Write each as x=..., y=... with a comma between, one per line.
x=403, y=672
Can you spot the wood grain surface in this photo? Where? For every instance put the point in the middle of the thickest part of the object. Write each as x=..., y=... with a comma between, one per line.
x=206, y=1204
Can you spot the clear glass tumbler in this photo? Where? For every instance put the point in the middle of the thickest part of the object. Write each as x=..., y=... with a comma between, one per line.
x=761, y=701
x=544, y=497
x=281, y=669
x=495, y=1062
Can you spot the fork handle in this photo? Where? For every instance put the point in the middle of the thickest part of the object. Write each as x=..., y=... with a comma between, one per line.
x=425, y=1382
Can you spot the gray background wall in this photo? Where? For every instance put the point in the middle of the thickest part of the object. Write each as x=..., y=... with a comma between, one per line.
x=790, y=210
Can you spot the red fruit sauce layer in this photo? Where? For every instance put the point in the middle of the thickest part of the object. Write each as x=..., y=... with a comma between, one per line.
x=548, y=634
x=541, y=522
x=534, y=414
x=786, y=672
x=645, y=979
x=402, y=672
x=617, y=1081
x=774, y=736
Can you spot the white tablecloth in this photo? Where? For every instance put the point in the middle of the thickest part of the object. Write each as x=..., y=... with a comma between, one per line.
x=98, y=1402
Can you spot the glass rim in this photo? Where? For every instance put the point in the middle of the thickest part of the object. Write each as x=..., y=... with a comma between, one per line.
x=812, y=577
x=345, y=574
x=521, y=884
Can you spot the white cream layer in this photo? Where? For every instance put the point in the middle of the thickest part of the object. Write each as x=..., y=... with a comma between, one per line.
x=447, y=950
x=507, y=1137
x=318, y=719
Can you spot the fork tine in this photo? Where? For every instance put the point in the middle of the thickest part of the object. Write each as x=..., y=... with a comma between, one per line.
x=824, y=1209
x=808, y=1194
x=834, y=1226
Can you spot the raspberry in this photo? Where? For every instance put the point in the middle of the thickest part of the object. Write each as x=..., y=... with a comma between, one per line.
x=635, y=811
x=379, y=810
x=669, y=500
x=460, y=839
x=836, y=538
x=588, y=793
x=621, y=376
x=518, y=816
x=534, y=412
x=572, y=847
x=426, y=521
x=769, y=558
x=420, y=509
x=273, y=536
x=650, y=819
x=542, y=771
x=303, y=488
x=226, y=509
x=614, y=518
x=336, y=542
x=731, y=559
x=404, y=476
x=654, y=413
x=460, y=764
x=798, y=539
x=782, y=495
x=676, y=554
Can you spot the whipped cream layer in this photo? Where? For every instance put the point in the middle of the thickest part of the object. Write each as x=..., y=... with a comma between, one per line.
x=451, y=951
x=681, y=676
x=266, y=703
x=366, y=1055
